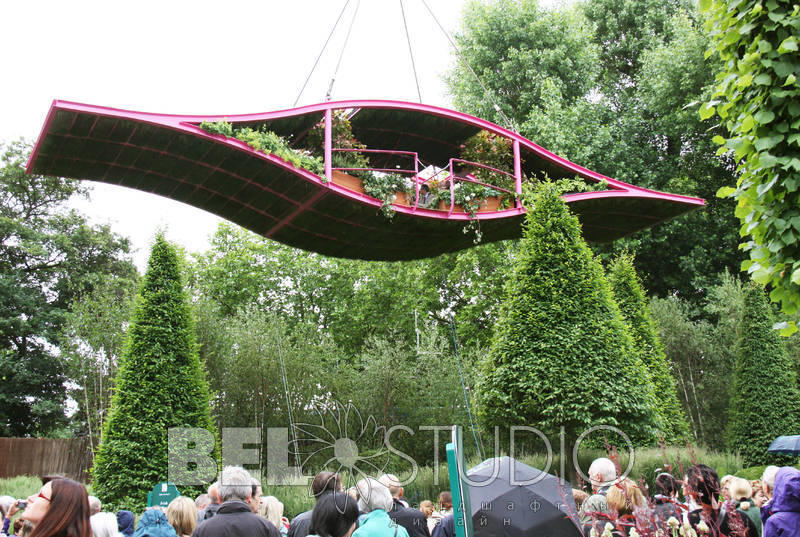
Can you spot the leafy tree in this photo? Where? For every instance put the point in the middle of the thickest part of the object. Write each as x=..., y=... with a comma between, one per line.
x=630, y=297
x=757, y=99
x=561, y=353
x=632, y=116
x=160, y=384
x=765, y=401
x=93, y=341
x=48, y=255
x=515, y=47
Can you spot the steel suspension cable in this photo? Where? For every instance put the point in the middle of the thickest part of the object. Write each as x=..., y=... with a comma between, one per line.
x=410, y=51
x=509, y=123
x=463, y=386
x=341, y=54
x=286, y=392
x=321, y=52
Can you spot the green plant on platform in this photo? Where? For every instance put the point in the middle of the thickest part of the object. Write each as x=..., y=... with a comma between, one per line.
x=268, y=142
x=765, y=402
x=341, y=138
x=561, y=354
x=492, y=150
x=632, y=301
x=160, y=384
x=385, y=186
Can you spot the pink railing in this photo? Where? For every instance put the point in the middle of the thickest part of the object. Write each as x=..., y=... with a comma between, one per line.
x=415, y=171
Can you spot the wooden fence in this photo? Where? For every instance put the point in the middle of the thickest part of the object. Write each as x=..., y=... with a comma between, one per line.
x=70, y=457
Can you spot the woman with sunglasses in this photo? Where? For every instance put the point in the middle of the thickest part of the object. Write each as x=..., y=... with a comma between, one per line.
x=61, y=509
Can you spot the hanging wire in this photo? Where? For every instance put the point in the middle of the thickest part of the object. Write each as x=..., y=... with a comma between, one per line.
x=286, y=392
x=410, y=51
x=320, y=52
x=508, y=122
x=341, y=54
x=463, y=386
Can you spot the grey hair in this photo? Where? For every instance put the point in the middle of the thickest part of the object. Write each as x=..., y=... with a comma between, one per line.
x=392, y=483
x=768, y=477
x=95, y=505
x=235, y=483
x=605, y=467
x=104, y=525
x=372, y=495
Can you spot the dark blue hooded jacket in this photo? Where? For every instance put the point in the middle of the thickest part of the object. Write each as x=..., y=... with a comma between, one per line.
x=125, y=523
x=785, y=507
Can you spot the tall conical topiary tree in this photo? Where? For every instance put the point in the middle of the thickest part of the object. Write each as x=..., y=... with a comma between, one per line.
x=765, y=402
x=160, y=384
x=561, y=353
x=630, y=296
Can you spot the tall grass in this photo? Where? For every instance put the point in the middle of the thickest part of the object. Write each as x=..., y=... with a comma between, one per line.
x=20, y=487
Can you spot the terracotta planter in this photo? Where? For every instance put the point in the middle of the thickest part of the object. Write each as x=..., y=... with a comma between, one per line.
x=490, y=204
x=445, y=206
x=401, y=198
x=348, y=181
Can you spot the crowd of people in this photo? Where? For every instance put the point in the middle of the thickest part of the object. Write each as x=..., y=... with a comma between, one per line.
x=233, y=507
x=700, y=504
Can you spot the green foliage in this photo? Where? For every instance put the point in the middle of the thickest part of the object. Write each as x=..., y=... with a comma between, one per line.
x=631, y=115
x=341, y=138
x=491, y=150
x=160, y=384
x=630, y=297
x=94, y=336
x=561, y=353
x=765, y=401
x=268, y=142
x=514, y=47
x=757, y=97
x=699, y=345
x=49, y=255
x=385, y=186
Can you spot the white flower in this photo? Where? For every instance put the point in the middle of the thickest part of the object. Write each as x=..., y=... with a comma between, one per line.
x=702, y=527
x=593, y=533
x=673, y=522
x=633, y=533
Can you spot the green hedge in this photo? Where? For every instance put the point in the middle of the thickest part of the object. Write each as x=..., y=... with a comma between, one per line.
x=561, y=353
x=630, y=297
x=160, y=384
x=765, y=402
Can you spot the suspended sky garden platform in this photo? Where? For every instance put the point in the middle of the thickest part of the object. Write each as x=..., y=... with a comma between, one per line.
x=315, y=198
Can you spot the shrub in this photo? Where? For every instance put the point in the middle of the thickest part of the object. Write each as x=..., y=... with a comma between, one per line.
x=630, y=297
x=765, y=402
x=160, y=384
x=561, y=353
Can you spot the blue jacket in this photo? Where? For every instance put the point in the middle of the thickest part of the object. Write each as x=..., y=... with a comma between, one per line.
x=154, y=524
x=378, y=524
x=784, y=520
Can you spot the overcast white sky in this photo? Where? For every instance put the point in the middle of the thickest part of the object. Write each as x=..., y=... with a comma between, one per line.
x=199, y=57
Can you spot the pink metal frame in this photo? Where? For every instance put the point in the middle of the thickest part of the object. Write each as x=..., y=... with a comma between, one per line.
x=190, y=124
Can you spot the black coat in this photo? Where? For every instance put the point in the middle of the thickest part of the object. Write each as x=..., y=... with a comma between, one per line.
x=413, y=520
x=235, y=519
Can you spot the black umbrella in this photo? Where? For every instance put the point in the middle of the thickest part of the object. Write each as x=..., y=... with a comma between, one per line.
x=789, y=445
x=511, y=499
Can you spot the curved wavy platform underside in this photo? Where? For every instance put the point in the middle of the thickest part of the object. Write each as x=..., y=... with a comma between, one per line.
x=171, y=156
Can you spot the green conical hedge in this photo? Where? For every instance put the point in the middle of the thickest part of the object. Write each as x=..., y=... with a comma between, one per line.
x=630, y=298
x=765, y=402
x=561, y=353
x=160, y=384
